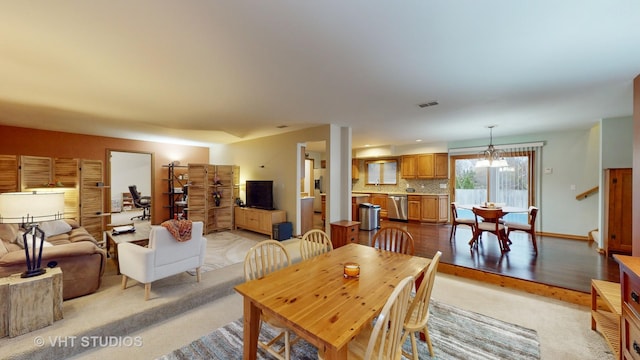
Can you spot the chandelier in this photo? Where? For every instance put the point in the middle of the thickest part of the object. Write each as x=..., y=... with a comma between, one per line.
x=491, y=157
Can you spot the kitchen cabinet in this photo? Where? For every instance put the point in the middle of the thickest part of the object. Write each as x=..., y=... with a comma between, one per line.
x=355, y=169
x=425, y=166
x=434, y=208
x=408, y=168
x=414, y=204
x=323, y=211
x=617, y=222
x=380, y=199
x=306, y=217
x=356, y=200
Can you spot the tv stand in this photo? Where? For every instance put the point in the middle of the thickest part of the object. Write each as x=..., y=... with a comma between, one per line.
x=258, y=220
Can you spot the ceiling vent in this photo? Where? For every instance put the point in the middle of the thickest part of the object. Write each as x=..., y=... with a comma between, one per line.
x=431, y=103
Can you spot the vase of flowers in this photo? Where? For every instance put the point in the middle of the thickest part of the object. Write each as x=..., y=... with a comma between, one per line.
x=217, y=195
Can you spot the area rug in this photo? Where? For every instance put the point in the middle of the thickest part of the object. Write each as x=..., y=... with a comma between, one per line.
x=455, y=334
x=223, y=249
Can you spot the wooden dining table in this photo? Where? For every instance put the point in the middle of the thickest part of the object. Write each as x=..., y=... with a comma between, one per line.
x=318, y=304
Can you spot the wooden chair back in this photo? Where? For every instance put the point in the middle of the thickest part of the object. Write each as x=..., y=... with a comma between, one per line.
x=492, y=216
x=314, y=242
x=419, y=310
x=386, y=337
x=533, y=213
x=418, y=314
x=394, y=239
x=264, y=258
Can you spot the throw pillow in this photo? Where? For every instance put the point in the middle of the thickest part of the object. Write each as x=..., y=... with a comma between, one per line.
x=56, y=227
x=8, y=232
x=3, y=249
x=30, y=242
x=73, y=223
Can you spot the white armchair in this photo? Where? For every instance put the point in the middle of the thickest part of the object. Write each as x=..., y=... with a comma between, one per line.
x=165, y=256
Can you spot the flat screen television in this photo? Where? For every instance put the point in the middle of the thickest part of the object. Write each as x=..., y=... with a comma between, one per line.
x=259, y=194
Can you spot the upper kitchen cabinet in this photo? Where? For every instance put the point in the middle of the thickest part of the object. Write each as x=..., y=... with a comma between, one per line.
x=355, y=169
x=425, y=166
x=408, y=166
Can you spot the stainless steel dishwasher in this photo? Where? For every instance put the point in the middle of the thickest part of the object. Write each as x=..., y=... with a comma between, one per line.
x=397, y=207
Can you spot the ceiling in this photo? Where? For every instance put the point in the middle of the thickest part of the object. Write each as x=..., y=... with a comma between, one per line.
x=205, y=71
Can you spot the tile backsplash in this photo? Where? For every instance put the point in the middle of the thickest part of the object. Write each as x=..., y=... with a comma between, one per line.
x=425, y=186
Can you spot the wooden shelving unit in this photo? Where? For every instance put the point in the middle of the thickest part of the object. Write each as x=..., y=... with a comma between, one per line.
x=606, y=310
x=211, y=196
x=127, y=201
x=176, y=182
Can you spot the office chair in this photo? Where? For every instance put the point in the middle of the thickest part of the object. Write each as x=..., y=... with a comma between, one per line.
x=141, y=202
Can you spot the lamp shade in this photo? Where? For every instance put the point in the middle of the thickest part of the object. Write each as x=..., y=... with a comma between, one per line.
x=23, y=207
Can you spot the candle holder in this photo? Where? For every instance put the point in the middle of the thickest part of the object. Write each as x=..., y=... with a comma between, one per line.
x=351, y=271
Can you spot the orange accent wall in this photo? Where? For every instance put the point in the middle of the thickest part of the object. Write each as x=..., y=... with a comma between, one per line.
x=25, y=141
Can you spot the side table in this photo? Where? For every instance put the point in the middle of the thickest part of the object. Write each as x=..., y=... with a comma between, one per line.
x=30, y=303
x=344, y=232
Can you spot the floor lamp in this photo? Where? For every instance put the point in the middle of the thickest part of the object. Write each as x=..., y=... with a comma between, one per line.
x=29, y=209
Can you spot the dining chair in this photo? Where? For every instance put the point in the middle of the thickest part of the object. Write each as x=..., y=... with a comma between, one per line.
x=314, y=242
x=262, y=259
x=394, y=239
x=529, y=227
x=489, y=220
x=456, y=220
x=418, y=315
x=384, y=339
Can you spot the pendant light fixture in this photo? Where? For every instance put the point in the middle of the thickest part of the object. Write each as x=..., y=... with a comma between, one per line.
x=491, y=157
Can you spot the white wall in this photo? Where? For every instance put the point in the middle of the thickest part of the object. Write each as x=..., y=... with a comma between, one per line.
x=278, y=158
x=617, y=152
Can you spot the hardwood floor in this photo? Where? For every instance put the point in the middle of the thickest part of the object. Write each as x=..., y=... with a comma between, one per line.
x=561, y=267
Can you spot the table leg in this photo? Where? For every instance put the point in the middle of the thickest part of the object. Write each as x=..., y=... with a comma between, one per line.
x=336, y=354
x=251, y=329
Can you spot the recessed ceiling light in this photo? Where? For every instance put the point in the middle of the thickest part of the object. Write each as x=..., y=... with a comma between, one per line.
x=366, y=145
x=428, y=104
x=418, y=140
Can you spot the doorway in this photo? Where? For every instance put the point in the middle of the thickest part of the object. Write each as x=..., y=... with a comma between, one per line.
x=127, y=168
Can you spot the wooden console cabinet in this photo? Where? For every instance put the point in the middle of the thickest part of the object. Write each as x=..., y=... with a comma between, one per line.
x=606, y=309
x=344, y=232
x=258, y=220
x=630, y=297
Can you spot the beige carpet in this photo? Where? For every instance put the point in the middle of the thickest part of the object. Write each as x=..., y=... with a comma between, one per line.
x=181, y=310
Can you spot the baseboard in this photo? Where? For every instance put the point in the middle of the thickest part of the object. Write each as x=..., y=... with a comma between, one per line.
x=563, y=236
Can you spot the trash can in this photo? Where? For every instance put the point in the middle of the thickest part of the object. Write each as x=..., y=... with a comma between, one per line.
x=369, y=216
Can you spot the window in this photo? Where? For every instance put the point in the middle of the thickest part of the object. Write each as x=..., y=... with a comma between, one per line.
x=382, y=172
x=511, y=185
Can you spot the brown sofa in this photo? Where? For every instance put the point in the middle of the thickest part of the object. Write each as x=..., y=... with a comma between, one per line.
x=76, y=252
